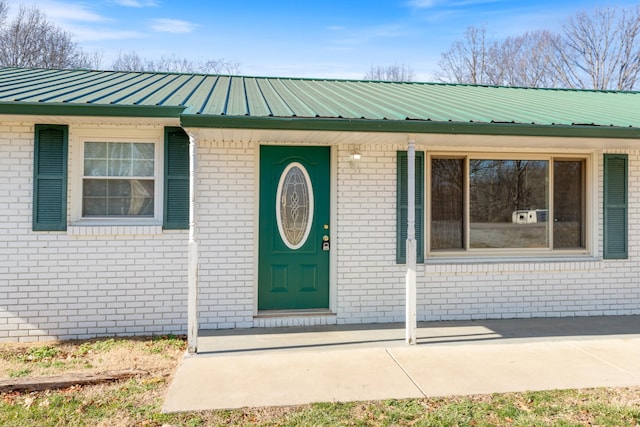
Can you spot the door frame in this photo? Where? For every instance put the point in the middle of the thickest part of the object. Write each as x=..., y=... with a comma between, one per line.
x=333, y=215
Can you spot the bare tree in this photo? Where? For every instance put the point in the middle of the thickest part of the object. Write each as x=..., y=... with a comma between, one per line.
x=466, y=59
x=393, y=73
x=522, y=61
x=600, y=50
x=128, y=61
x=131, y=61
x=30, y=40
x=4, y=8
x=184, y=65
x=91, y=60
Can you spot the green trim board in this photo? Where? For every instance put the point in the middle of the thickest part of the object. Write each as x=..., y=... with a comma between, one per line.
x=402, y=206
x=615, y=203
x=51, y=146
x=92, y=110
x=407, y=126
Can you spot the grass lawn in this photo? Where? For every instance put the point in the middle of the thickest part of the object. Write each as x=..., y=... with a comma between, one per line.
x=137, y=401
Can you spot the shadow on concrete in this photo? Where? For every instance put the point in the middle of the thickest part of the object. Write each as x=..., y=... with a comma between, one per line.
x=252, y=340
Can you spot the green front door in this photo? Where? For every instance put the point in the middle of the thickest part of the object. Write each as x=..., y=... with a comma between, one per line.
x=293, y=270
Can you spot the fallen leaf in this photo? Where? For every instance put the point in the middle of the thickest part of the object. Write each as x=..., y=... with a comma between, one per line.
x=28, y=401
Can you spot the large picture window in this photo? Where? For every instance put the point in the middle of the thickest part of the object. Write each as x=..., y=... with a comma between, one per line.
x=118, y=180
x=481, y=203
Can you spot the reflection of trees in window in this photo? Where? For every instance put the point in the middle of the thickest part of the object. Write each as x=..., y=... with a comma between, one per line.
x=447, y=181
x=500, y=187
x=508, y=204
x=568, y=196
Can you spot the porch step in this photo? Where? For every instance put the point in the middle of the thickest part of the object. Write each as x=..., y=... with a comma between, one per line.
x=282, y=318
x=264, y=314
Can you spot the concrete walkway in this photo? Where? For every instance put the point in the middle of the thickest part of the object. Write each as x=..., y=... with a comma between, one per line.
x=291, y=366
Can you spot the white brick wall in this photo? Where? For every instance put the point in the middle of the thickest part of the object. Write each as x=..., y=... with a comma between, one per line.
x=226, y=208
x=132, y=280
x=371, y=285
x=86, y=282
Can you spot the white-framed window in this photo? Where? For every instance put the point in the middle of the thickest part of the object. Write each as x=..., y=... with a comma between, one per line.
x=508, y=204
x=118, y=180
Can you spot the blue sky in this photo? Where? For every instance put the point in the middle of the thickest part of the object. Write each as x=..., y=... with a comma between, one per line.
x=332, y=39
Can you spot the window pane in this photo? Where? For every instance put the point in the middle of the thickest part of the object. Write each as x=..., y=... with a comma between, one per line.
x=142, y=151
x=118, y=197
x=94, y=188
x=119, y=150
x=508, y=204
x=95, y=167
x=447, y=181
x=94, y=206
x=568, y=204
x=142, y=168
x=119, y=167
x=95, y=150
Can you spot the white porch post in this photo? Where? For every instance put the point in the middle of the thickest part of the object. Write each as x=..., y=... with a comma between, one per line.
x=192, y=293
x=411, y=322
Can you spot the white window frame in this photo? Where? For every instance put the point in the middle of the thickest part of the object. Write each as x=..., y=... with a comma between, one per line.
x=77, y=169
x=590, y=205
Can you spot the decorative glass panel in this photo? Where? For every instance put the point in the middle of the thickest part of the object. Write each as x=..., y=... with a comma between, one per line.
x=294, y=205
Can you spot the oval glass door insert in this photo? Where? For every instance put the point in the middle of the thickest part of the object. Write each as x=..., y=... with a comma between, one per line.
x=294, y=205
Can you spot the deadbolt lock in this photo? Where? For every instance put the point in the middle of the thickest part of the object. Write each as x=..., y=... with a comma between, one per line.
x=325, y=243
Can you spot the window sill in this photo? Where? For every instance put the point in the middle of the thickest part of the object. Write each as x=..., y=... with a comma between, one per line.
x=105, y=229
x=510, y=259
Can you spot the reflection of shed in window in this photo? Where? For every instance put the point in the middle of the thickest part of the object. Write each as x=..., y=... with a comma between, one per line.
x=529, y=216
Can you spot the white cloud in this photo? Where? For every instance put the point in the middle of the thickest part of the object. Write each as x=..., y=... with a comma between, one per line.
x=174, y=26
x=136, y=3
x=61, y=11
x=363, y=36
x=83, y=34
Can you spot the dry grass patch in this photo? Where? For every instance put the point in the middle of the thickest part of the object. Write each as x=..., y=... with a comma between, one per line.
x=138, y=401
x=156, y=356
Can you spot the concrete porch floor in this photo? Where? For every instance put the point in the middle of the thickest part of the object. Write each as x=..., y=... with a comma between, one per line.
x=288, y=366
x=225, y=341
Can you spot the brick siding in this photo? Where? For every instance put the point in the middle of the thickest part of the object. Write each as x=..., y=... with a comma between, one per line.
x=132, y=280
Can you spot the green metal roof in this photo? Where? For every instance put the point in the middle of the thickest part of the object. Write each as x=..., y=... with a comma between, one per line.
x=317, y=104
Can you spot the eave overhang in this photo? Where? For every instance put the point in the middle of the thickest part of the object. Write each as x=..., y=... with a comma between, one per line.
x=93, y=110
x=407, y=126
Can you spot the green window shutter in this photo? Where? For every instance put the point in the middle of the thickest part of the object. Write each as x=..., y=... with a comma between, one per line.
x=615, y=206
x=176, y=179
x=402, y=207
x=50, y=178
